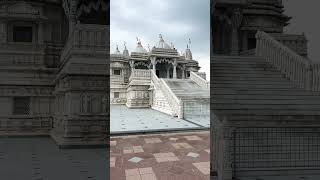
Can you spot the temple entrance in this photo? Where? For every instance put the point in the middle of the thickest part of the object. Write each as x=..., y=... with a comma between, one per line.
x=164, y=70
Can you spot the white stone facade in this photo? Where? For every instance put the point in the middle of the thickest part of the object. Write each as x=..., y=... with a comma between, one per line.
x=137, y=77
x=53, y=70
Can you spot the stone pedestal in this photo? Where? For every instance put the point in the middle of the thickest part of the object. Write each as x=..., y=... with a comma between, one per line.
x=138, y=96
x=221, y=161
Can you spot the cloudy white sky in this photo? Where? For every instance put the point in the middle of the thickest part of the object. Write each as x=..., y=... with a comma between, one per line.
x=176, y=20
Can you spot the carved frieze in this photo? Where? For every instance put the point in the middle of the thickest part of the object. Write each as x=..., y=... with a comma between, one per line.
x=26, y=91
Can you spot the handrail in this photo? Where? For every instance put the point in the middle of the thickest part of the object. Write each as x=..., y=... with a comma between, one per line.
x=294, y=66
x=175, y=103
x=199, y=80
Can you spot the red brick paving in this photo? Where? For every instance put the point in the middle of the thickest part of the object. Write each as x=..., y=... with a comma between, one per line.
x=174, y=163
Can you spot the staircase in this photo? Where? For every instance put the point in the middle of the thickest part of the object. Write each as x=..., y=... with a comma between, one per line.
x=187, y=89
x=184, y=98
x=195, y=98
x=267, y=110
x=249, y=87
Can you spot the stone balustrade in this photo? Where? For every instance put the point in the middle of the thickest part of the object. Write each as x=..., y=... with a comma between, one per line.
x=295, y=67
x=175, y=103
x=315, y=80
x=296, y=42
x=199, y=80
x=140, y=74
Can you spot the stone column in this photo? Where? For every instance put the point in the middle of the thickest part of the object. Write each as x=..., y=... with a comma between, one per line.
x=175, y=69
x=154, y=63
x=131, y=65
x=183, y=72
x=3, y=31
x=40, y=33
x=72, y=16
x=168, y=71
x=221, y=140
x=236, y=20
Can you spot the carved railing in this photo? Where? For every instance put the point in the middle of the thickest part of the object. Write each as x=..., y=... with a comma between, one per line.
x=140, y=74
x=297, y=68
x=296, y=42
x=199, y=80
x=315, y=80
x=86, y=39
x=175, y=103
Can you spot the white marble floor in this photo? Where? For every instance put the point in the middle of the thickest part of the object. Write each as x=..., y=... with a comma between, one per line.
x=123, y=119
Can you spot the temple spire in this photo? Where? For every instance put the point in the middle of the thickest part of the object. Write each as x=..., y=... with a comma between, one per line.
x=125, y=51
x=117, y=49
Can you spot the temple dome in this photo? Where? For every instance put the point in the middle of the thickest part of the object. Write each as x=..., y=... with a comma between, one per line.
x=139, y=48
x=162, y=44
x=125, y=51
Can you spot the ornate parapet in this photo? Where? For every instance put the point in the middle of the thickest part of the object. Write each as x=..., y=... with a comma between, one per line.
x=88, y=40
x=140, y=75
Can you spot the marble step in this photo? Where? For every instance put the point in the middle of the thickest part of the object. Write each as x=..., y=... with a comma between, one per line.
x=266, y=97
x=257, y=82
x=254, y=86
x=240, y=64
x=215, y=75
x=248, y=78
x=264, y=112
x=248, y=68
x=289, y=102
x=261, y=105
x=244, y=71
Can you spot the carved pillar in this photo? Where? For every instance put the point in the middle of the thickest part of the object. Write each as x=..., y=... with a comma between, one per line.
x=40, y=33
x=131, y=65
x=70, y=8
x=183, y=72
x=236, y=20
x=168, y=71
x=154, y=63
x=221, y=139
x=3, y=31
x=175, y=69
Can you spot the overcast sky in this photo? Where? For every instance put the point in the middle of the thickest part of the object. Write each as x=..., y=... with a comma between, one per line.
x=305, y=18
x=176, y=20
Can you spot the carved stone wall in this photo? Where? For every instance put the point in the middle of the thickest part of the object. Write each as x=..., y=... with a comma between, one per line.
x=138, y=96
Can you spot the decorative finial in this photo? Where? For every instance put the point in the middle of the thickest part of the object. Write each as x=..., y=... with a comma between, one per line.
x=117, y=49
x=189, y=42
x=148, y=47
x=138, y=40
x=124, y=44
x=160, y=36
